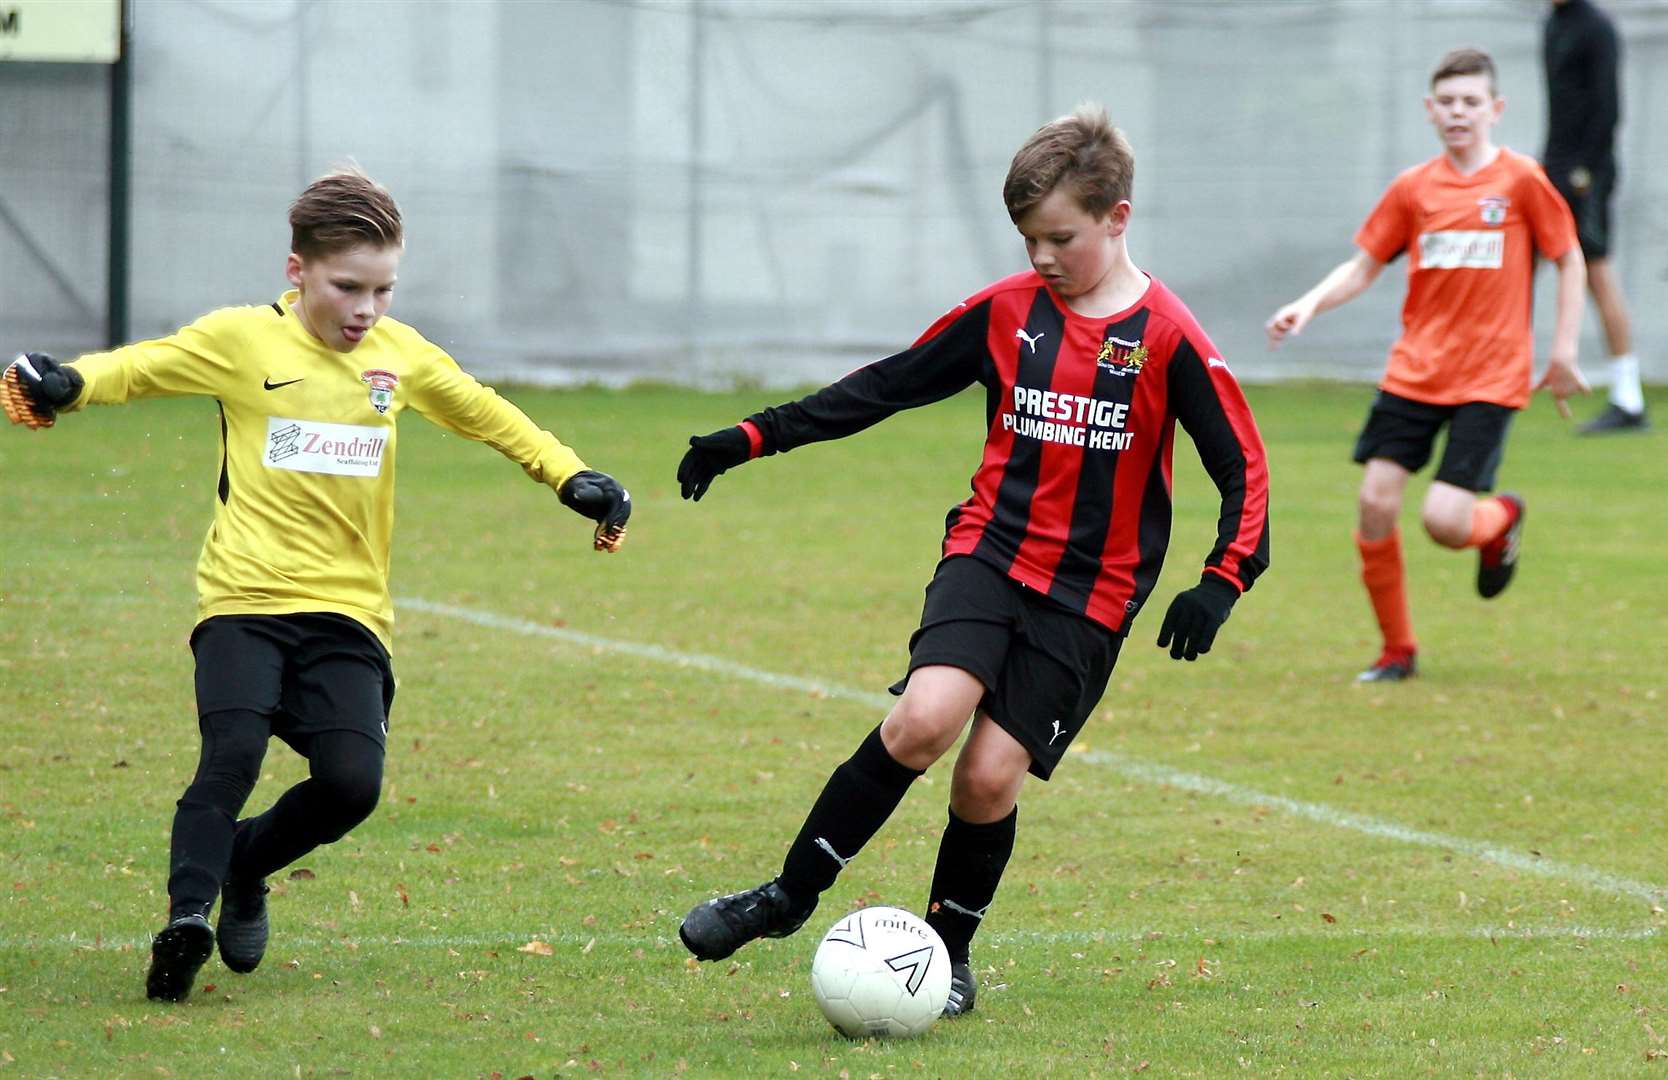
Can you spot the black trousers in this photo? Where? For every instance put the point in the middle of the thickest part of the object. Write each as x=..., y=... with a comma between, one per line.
x=323, y=684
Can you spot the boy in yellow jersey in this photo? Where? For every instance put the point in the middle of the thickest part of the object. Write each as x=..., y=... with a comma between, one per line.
x=295, y=615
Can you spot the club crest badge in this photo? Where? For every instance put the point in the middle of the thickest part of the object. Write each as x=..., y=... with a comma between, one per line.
x=382, y=384
x=1121, y=357
x=1494, y=209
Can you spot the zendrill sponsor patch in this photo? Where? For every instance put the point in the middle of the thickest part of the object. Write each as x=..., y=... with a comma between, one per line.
x=316, y=447
x=1462, y=249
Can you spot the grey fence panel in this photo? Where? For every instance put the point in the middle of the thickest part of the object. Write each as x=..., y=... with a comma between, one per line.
x=771, y=191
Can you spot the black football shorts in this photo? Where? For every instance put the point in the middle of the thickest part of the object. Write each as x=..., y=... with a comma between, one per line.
x=1590, y=208
x=1404, y=431
x=311, y=672
x=1044, y=668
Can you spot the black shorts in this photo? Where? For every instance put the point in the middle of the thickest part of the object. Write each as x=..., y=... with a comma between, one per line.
x=1044, y=668
x=1405, y=432
x=1591, y=208
x=311, y=672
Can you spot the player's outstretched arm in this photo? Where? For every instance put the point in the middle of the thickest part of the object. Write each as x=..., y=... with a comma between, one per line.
x=1195, y=615
x=599, y=497
x=36, y=387
x=1344, y=283
x=710, y=455
x=1563, y=378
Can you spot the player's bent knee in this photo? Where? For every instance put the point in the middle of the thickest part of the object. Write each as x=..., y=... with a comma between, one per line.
x=982, y=796
x=1377, y=514
x=351, y=804
x=1448, y=533
x=349, y=769
x=984, y=791
x=917, y=734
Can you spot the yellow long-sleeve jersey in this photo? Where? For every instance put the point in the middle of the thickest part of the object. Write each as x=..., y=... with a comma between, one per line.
x=304, y=512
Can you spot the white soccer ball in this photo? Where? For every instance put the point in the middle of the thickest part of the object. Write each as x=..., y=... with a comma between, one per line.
x=881, y=971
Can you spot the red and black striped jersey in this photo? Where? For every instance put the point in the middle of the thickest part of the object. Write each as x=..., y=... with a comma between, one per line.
x=1072, y=496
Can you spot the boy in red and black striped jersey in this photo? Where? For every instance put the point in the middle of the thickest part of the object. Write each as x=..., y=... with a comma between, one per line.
x=1087, y=363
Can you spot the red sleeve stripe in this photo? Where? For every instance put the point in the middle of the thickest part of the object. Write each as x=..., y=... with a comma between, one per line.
x=1253, y=518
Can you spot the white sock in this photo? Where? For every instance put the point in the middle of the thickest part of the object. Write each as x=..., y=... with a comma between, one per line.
x=1625, y=391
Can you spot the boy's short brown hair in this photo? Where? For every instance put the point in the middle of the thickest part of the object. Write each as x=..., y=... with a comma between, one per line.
x=342, y=210
x=1466, y=61
x=1082, y=150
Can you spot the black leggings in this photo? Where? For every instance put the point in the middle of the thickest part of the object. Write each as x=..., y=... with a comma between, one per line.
x=211, y=846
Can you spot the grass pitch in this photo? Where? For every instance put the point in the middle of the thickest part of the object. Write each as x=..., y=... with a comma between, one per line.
x=1247, y=866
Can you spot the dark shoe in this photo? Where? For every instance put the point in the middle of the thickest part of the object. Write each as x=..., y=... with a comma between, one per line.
x=176, y=955
x=1615, y=419
x=717, y=928
x=1497, y=559
x=243, y=925
x=1391, y=666
x=963, y=990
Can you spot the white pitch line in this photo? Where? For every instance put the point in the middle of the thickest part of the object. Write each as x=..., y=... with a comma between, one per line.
x=1146, y=772
x=647, y=652
x=1389, y=830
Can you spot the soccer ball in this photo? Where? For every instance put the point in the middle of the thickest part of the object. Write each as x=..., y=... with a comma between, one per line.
x=881, y=971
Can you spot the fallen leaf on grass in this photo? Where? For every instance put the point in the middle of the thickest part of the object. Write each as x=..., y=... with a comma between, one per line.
x=301, y=873
x=537, y=948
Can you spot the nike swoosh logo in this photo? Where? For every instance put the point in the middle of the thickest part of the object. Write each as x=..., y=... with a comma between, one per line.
x=270, y=385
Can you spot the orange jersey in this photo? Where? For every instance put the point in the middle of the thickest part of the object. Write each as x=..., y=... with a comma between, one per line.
x=1470, y=242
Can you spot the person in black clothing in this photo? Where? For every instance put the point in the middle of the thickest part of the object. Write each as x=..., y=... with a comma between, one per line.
x=1087, y=363
x=1582, y=53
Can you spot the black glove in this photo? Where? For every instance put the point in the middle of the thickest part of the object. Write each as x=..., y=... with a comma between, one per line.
x=597, y=496
x=49, y=386
x=709, y=455
x=1195, y=616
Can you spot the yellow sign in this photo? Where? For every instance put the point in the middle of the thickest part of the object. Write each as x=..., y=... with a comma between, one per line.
x=64, y=31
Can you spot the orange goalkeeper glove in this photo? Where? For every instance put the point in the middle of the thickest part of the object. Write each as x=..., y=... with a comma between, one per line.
x=599, y=497
x=35, y=387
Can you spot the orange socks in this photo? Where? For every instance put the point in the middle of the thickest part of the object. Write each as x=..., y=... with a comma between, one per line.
x=1386, y=581
x=1489, y=518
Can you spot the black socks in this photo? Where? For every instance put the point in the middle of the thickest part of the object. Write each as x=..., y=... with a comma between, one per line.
x=971, y=859
x=854, y=804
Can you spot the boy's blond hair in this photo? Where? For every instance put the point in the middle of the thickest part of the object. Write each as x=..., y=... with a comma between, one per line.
x=342, y=210
x=1083, y=151
x=1466, y=61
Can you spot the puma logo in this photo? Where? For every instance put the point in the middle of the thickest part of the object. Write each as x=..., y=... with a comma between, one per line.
x=832, y=854
x=951, y=905
x=1029, y=340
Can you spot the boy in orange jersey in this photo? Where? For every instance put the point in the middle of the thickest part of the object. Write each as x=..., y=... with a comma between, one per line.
x=1470, y=221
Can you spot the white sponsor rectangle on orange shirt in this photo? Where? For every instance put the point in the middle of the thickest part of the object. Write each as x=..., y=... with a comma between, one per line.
x=1462, y=249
